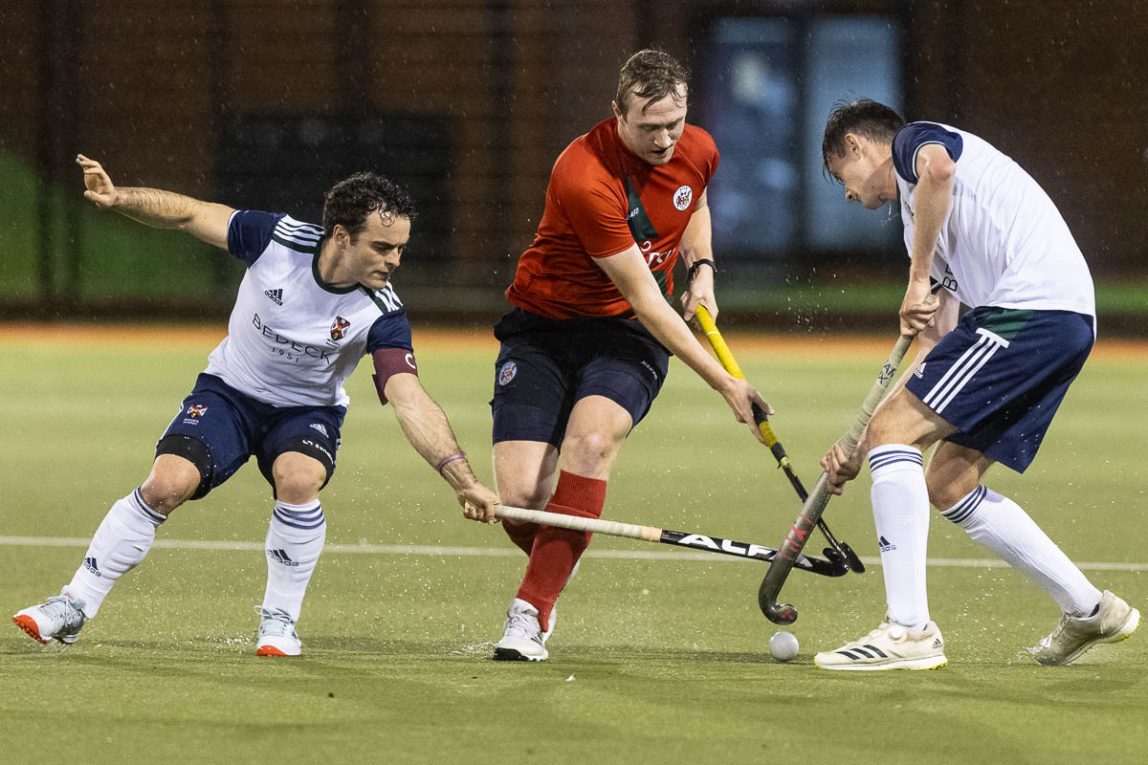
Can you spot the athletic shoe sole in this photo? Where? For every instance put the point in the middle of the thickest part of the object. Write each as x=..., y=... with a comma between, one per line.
x=511, y=654
x=270, y=650
x=932, y=662
x=28, y=624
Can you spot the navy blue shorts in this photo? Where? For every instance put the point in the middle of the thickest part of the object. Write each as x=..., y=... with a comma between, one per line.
x=1000, y=376
x=546, y=365
x=218, y=429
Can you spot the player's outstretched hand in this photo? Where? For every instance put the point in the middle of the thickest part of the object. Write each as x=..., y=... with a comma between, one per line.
x=840, y=467
x=478, y=503
x=100, y=190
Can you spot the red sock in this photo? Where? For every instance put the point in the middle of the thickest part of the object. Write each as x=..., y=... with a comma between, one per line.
x=557, y=550
x=521, y=534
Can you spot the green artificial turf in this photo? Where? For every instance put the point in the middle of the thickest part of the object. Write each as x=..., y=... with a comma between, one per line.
x=653, y=660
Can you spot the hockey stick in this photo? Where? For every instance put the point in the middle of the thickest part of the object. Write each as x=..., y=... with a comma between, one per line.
x=837, y=551
x=665, y=536
x=779, y=567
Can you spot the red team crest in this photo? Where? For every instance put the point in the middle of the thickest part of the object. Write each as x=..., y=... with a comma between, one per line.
x=682, y=197
x=338, y=329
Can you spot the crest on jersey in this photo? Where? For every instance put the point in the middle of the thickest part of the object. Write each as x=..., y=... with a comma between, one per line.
x=339, y=328
x=196, y=410
x=507, y=373
x=683, y=197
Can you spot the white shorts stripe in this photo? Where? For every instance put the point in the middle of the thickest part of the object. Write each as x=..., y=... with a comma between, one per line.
x=958, y=375
x=964, y=379
x=944, y=381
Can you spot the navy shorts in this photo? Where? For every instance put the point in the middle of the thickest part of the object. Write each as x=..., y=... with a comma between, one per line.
x=546, y=365
x=218, y=429
x=1000, y=376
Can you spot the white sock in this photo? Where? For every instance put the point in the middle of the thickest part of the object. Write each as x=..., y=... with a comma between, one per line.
x=295, y=540
x=1004, y=527
x=120, y=543
x=901, y=515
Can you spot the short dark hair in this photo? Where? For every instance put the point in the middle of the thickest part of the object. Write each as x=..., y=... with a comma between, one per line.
x=650, y=74
x=352, y=199
x=865, y=117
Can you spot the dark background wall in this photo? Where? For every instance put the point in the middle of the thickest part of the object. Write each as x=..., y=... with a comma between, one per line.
x=152, y=89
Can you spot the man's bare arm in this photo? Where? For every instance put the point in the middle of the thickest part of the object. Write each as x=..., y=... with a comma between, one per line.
x=206, y=221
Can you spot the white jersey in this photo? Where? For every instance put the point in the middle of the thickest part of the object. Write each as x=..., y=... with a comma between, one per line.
x=292, y=340
x=1004, y=243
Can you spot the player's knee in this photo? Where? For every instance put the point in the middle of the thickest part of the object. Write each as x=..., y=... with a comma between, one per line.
x=532, y=496
x=297, y=477
x=587, y=451
x=172, y=481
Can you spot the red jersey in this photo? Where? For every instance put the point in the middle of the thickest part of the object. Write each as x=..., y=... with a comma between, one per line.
x=601, y=199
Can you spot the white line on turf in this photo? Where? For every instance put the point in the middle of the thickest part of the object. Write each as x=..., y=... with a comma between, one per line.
x=510, y=552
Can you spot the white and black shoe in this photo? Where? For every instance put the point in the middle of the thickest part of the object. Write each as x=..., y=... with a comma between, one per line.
x=890, y=646
x=523, y=639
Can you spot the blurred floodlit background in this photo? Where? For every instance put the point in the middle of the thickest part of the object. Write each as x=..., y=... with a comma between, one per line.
x=266, y=103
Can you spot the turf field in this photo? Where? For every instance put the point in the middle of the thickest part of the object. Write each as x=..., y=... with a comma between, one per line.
x=659, y=655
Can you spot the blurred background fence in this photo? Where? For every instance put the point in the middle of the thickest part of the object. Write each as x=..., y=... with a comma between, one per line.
x=266, y=103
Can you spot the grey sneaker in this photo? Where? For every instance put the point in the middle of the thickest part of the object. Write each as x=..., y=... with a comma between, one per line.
x=1114, y=621
x=890, y=646
x=522, y=640
x=60, y=618
x=277, y=635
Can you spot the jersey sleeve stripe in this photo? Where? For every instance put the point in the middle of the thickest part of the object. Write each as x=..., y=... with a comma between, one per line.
x=386, y=299
x=303, y=235
x=308, y=247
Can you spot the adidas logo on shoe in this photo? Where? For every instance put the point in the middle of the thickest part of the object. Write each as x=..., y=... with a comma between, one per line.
x=275, y=295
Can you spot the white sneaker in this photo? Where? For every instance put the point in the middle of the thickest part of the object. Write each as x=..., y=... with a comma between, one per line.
x=890, y=646
x=277, y=634
x=60, y=618
x=522, y=640
x=1114, y=621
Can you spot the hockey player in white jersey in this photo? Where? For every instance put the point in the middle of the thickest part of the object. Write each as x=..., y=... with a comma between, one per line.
x=313, y=302
x=979, y=231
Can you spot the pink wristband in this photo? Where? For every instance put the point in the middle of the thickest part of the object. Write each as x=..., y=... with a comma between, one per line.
x=447, y=460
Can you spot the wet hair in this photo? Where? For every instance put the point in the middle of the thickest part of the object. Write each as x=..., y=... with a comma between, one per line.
x=651, y=75
x=864, y=117
x=352, y=199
